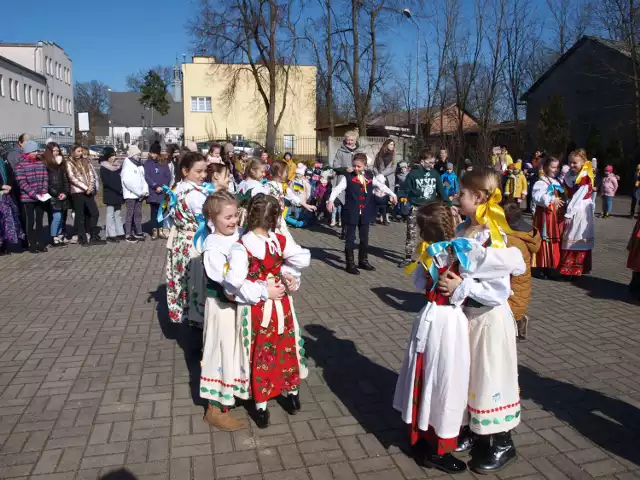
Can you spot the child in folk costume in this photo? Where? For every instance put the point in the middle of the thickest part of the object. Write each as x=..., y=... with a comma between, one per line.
x=578, y=234
x=432, y=388
x=494, y=399
x=548, y=219
x=218, y=175
x=271, y=346
x=251, y=186
x=359, y=209
x=277, y=187
x=185, y=273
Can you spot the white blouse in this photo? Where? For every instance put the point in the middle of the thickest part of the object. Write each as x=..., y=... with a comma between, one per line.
x=295, y=258
x=540, y=193
x=250, y=184
x=195, y=198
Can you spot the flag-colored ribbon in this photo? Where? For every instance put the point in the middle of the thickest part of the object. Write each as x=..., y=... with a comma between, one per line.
x=168, y=204
x=208, y=188
x=492, y=215
x=587, y=169
x=201, y=232
x=554, y=187
x=422, y=257
x=460, y=248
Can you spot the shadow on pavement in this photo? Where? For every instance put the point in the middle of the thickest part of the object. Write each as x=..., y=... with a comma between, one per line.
x=332, y=259
x=610, y=423
x=189, y=339
x=605, y=289
x=400, y=299
x=364, y=387
x=122, y=474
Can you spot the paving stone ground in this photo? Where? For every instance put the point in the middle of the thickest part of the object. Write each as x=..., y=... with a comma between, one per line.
x=94, y=380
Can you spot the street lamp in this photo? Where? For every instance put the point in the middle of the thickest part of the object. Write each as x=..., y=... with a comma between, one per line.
x=113, y=143
x=407, y=13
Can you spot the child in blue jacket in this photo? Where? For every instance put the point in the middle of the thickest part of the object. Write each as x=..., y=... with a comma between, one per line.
x=450, y=181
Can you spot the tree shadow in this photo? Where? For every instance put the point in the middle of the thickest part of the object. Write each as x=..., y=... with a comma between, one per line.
x=122, y=474
x=605, y=289
x=188, y=338
x=608, y=422
x=324, y=255
x=321, y=227
x=364, y=387
x=400, y=299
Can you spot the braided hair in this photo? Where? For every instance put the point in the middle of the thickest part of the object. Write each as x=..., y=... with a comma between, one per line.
x=435, y=222
x=263, y=212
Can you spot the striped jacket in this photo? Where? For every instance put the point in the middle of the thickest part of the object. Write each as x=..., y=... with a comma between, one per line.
x=32, y=178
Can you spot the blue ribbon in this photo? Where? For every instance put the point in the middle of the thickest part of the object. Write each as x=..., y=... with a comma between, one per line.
x=553, y=188
x=172, y=201
x=208, y=188
x=201, y=232
x=460, y=247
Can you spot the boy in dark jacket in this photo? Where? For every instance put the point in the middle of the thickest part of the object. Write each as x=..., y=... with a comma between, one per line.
x=110, y=167
x=359, y=209
x=423, y=185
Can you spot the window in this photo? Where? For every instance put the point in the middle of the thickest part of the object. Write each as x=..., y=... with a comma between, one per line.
x=50, y=67
x=16, y=85
x=38, y=97
x=60, y=104
x=30, y=95
x=11, y=94
x=46, y=64
x=200, y=104
x=290, y=142
x=42, y=99
x=52, y=105
x=1, y=85
x=26, y=94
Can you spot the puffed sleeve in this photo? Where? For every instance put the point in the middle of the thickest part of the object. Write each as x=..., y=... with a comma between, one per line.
x=295, y=256
x=338, y=189
x=490, y=293
x=489, y=263
x=214, y=260
x=251, y=293
x=195, y=200
x=540, y=195
x=238, y=268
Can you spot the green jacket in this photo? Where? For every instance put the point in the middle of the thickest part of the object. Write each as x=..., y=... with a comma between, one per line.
x=425, y=186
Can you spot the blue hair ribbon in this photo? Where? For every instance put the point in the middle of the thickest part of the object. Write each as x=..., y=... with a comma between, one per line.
x=203, y=231
x=460, y=248
x=168, y=204
x=554, y=188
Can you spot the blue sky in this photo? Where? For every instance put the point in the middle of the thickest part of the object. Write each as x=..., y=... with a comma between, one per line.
x=124, y=36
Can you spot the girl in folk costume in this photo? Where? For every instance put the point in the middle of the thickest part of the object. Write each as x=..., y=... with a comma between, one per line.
x=218, y=175
x=271, y=346
x=432, y=388
x=548, y=218
x=494, y=399
x=578, y=237
x=221, y=378
x=185, y=274
x=251, y=186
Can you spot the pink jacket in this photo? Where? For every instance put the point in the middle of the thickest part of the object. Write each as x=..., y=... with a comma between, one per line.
x=609, y=186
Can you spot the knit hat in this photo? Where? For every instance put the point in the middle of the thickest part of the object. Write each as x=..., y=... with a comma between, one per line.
x=155, y=148
x=192, y=146
x=108, y=152
x=608, y=168
x=405, y=165
x=301, y=169
x=30, y=146
x=133, y=150
x=517, y=166
x=449, y=166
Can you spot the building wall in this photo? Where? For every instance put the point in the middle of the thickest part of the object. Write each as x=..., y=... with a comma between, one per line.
x=170, y=134
x=50, y=60
x=245, y=115
x=20, y=115
x=594, y=83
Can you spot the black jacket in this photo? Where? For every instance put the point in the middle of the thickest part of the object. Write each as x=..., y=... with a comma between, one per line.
x=59, y=183
x=111, y=185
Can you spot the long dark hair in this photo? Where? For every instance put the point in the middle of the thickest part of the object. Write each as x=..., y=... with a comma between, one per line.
x=48, y=158
x=384, y=149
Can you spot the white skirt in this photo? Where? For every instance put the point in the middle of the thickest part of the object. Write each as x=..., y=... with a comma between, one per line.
x=494, y=398
x=442, y=333
x=220, y=379
x=578, y=230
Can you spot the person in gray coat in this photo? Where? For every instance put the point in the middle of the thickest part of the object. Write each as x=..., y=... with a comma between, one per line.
x=385, y=165
x=341, y=162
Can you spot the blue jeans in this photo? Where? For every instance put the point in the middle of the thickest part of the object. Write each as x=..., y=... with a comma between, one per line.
x=607, y=204
x=56, y=223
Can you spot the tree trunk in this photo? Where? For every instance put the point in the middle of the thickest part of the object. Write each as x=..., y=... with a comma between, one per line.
x=271, y=111
x=329, y=54
x=360, y=115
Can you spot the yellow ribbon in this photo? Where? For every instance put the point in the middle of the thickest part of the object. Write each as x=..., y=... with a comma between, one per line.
x=422, y=257
x=363, y=181
x=587, y=169
x=492, y=215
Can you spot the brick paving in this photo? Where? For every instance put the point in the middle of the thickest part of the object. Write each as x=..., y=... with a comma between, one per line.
x=93, y=380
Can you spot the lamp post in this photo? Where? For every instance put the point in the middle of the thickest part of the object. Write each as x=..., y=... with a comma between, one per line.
x=113, y=143
x=407, y=13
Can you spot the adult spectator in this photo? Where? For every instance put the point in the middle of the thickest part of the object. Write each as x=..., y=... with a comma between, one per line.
x=502, y=160
x=385, y=163
x=33, y=180
x=341, y=162
x=441, y=162
x=59, y=191
x=15, y=155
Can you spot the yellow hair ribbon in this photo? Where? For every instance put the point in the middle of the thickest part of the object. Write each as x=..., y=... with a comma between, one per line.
x=422, y=257
x=492, y=215
x=587, y=169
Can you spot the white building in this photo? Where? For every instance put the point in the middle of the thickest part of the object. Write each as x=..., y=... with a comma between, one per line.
x=48, y=61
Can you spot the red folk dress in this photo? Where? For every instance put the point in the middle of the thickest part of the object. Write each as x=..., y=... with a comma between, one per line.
x=577, y=241
x=549, y=221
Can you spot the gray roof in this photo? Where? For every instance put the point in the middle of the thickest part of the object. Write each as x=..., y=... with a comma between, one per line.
x=126, y=111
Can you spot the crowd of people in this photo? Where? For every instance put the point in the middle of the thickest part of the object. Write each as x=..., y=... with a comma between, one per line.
x=233, y=267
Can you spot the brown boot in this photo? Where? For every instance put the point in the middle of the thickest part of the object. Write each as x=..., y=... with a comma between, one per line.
x=222, y=420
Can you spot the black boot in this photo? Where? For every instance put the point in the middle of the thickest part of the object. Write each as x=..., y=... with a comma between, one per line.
x=343, y=231
x=466, y=439
x=262, y=418
x=82, y=241
x=634, y=286
x=351, y=263
x=500, y=453
x=292, y=404
x=363, y=261
x=95, y=238
x=446, y=463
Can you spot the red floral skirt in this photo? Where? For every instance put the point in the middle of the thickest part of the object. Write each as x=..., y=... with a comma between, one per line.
x=274, y=361
x=575, y=262
x=443, y=445
x=633, y=260
x=545, y=220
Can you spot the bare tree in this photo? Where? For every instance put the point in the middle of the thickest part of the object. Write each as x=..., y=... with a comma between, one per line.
x=135, y=81
x=261, y=34
x=91, y=97
x=570, y=21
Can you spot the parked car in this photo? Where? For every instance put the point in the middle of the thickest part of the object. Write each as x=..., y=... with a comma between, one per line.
x=204, y=146
x=250, y=147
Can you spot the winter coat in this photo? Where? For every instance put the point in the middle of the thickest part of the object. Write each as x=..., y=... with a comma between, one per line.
x=609, y=186
x=451, y=185
x=156, y=175
x=81, y=176
x=59, y=183
x=389, y=170
x=342, y=159
x=111, y=184
x=134, y=185
x=527, y=240
x=516, y=186
x=33, y=179
x=14, y=156
x=425, y=186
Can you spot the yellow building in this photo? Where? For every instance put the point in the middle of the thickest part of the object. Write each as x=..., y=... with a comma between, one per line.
x=213, y=112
